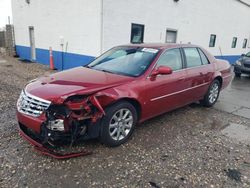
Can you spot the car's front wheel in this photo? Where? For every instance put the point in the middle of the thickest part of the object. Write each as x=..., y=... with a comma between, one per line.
x=212, y=94
x=118, y=124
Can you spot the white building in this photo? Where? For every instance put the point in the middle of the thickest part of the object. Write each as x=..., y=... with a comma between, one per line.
x=83, y=29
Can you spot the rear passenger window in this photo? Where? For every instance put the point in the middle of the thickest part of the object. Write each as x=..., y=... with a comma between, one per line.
x=203, y=57
x=192, y=57
x=171, y=58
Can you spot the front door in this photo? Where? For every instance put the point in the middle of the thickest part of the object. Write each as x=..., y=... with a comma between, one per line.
x=32, y=44
x=166, y=92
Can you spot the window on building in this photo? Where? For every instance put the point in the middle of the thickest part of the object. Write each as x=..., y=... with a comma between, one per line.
x=192, y=57
x=234, y=42
x=203, y=57
x=244, y=43
x=171, y=36
x=137, y=33
x=171, y=58
x=212, y=40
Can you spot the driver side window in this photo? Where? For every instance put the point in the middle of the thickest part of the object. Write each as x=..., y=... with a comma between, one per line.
x=171, y=58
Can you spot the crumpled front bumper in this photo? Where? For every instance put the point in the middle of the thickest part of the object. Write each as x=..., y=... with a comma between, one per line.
x=39, y=147
x=30, y=130
x=80, y=119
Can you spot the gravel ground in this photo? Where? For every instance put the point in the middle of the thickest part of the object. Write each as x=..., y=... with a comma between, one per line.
x=183, y=148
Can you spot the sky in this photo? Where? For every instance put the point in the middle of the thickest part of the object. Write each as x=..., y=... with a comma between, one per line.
x=5, y=11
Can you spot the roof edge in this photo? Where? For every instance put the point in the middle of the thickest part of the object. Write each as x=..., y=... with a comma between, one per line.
x=244, y=2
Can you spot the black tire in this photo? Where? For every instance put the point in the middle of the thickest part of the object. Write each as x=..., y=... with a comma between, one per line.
x=111, y=111
x=207, y=100
x=238, y=75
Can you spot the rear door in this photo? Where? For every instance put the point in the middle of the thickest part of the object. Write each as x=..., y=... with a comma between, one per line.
x=199, y=73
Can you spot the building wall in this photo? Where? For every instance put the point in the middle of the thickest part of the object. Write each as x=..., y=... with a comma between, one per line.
x=76, y=24
x=91, y=27
x=194, y=20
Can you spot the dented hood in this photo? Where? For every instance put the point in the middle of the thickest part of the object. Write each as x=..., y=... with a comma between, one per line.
x=78, y=81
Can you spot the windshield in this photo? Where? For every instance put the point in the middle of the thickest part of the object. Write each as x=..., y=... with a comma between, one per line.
x=248, y=54
x=128, y=61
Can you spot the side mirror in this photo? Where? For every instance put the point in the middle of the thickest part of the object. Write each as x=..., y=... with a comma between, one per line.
x=242, y=55
x=162, y=70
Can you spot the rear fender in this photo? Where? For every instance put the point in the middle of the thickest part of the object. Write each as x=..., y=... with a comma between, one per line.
x=223, y=71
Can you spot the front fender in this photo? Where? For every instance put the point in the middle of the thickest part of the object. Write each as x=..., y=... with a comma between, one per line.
x=112, y=95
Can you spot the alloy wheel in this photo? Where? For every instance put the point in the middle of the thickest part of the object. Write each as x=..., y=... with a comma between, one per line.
x=213, y=93
x=121, y=124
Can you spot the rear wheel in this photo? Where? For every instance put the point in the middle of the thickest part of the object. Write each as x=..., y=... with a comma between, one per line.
x=118, y=124
x=212, y=94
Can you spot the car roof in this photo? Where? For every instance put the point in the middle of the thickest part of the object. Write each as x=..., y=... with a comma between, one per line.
x=160, y=45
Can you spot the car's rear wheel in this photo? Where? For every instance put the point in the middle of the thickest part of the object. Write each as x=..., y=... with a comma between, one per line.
x=238, y=75
x=118, y=124
x=212, y=94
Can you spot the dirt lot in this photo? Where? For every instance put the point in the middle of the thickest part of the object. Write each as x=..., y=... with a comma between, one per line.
x=184, y=148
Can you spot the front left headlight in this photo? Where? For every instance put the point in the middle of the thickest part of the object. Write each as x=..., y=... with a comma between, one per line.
x=238, y=63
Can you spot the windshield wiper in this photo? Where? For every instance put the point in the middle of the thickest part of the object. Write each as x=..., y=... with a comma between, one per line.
x=87, y=66
x=104, y=70
x=108, y=71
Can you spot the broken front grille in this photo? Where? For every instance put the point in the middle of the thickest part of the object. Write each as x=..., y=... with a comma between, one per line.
x=31, y=105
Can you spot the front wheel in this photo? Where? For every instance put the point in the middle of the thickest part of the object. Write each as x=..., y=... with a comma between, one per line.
x=118, y=124
x=212, y=94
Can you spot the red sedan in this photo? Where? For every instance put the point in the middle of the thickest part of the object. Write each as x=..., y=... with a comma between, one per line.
x=124, y=86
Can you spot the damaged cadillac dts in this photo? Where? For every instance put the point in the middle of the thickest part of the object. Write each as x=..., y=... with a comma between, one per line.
x=123, y=87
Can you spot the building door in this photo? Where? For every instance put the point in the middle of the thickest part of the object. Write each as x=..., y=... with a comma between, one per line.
x=171, y=36
x=32, y=44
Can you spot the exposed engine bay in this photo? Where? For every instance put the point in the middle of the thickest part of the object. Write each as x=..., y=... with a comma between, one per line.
x=71, y=120
x=76, y=119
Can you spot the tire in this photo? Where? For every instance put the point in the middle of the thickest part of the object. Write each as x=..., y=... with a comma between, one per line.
x=118, y=124
x=238, y=75
x=212, y=94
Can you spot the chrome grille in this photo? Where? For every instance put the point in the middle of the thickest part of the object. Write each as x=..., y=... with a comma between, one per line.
x=31, y=105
